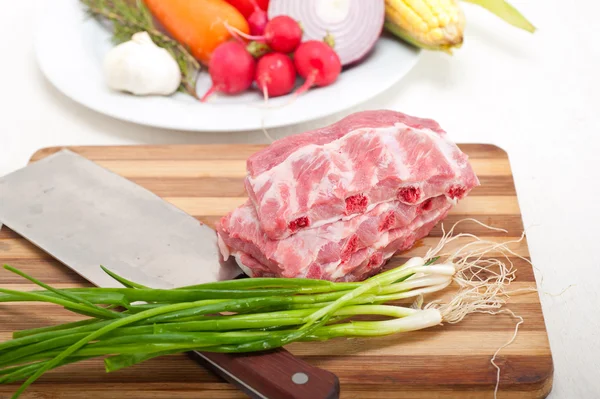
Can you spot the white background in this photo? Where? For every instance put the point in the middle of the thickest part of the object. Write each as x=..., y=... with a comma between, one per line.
x=537, y=96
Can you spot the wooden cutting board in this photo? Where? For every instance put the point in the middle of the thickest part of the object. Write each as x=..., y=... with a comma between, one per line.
x=449, y=361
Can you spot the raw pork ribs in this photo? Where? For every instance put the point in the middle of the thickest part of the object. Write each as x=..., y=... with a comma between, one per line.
x=335, y=203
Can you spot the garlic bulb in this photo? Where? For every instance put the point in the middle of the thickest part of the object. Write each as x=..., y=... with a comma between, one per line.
x=141, y=67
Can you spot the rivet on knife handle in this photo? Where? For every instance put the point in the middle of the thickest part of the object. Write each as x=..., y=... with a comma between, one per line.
x=275, y=374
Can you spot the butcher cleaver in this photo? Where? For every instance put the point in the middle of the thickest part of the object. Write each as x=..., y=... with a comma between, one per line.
x=85, y=216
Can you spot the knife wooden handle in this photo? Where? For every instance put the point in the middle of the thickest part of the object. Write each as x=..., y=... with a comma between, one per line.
x=276, y=374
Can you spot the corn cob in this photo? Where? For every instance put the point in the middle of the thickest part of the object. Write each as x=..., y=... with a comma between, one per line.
x=430, y=24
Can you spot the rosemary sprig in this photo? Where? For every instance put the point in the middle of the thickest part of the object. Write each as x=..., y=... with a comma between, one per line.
x=130, y=17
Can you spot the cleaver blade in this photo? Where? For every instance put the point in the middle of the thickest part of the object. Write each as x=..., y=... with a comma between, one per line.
x=86, y=216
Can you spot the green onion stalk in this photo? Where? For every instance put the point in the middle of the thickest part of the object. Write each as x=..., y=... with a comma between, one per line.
x=236, y=316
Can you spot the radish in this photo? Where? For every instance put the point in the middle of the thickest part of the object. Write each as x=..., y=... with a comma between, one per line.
x=317, y=63
x=275, y=75
x=231, y=69
x=257, y=20
x=247, y=7
x=282, y=34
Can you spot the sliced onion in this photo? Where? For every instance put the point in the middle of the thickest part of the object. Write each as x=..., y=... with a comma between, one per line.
x=354, y=25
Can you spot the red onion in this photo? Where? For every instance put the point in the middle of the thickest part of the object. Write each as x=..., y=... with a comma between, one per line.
x=354, y=25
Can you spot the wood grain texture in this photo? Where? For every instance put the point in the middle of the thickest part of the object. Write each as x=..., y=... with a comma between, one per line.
x=448, y=361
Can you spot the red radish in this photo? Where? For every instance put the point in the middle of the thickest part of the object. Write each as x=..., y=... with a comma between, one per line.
x=258, y=20
x=231, y=69
x=247, y=7
x=275, y=75
x=282, y=34
x=317, y=63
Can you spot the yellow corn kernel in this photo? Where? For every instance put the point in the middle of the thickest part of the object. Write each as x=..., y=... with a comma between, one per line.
x=423, y=9
x=435, y=6
x=437, y=34
x=444, y=19
x=406, y=14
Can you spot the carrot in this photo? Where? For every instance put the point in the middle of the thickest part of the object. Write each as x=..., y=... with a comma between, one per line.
x=198, y=24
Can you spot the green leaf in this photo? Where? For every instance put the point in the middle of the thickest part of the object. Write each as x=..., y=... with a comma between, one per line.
x=431, y=261
x=123, y=280
x=505, y=11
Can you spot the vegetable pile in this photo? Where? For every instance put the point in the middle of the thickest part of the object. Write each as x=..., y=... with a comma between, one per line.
x=232, y=67
x=320, y=36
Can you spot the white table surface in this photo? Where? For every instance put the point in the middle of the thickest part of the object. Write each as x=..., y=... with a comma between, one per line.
x=536, y=96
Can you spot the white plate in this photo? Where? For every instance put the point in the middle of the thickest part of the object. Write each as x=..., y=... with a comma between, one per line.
x=70, y=48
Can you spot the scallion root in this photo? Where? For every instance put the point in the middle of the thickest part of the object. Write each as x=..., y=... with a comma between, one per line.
x=484, y=281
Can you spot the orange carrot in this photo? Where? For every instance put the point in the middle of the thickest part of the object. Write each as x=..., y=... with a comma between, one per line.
x=198, y=24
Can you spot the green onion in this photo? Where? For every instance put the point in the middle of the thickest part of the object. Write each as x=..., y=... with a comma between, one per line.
x=262, y=313
x=77, y=299
x=33, y=331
